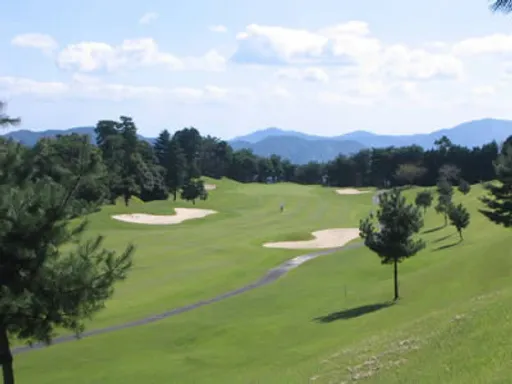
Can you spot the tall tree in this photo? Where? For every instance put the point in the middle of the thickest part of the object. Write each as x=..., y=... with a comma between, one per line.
x=459, y=218
x=444, y=199
x=193, y=190
x=394, y=241
x=41, y=286
x=498, y=200
x=176, y=168
x=190, y=142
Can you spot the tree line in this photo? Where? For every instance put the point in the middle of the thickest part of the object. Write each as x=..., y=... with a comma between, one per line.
x=127, y=166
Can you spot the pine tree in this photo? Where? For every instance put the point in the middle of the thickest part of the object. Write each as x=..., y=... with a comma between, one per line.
x=499, y=198
x=445, y=195
x=176, y=170
x=459, y=218
x=41, y=286
x=394, y=242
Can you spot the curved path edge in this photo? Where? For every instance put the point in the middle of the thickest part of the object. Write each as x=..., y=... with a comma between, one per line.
x=271, y=276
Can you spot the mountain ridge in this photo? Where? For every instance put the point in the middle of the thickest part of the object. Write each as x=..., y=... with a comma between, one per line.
x=301, y=147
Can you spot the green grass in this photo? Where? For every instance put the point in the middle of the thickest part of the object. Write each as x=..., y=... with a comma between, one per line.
x=451, y=326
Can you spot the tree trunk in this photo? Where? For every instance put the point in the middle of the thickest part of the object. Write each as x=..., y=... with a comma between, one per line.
x=445, y=219
x=175, y=193
x=397, y=296
x=6, y=357
x=460, y=234
x=194, y=202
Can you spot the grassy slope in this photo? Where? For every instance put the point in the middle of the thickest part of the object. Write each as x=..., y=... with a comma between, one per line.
x=451, y=326
x=180, y=264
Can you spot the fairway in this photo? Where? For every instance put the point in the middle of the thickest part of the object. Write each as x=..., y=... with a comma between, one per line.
x=327, y=321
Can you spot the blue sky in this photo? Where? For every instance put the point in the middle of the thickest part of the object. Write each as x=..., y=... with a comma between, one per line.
x=324, y=67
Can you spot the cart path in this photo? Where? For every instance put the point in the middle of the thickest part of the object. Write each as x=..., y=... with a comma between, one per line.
x=271, y=276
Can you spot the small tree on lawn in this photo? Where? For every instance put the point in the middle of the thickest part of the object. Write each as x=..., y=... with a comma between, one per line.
x=193, y=189
x=459, y=218
x=394, y=242
x=424, y=200
x=464, y=187
x=41, y=286
x=444, y=201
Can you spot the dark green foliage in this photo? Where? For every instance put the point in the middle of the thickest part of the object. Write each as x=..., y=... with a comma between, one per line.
x=424, y=199
x=464, y=187
x=459, y=218
x=498, y=201
x=393, y=240
x=176, y=168
x=502, y=5
x=193, y=190
x=41, y=287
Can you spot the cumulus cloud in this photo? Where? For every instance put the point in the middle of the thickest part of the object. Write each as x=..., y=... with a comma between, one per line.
x=90, y=87
x=45, y=43
x=492, y=44
x=348, y=44
x=218, y=28
x=131, y=54
x=148, y=17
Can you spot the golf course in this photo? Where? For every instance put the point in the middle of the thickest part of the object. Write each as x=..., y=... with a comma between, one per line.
x=328, y=320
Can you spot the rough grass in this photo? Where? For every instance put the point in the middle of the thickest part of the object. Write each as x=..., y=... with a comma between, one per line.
x=326, y=322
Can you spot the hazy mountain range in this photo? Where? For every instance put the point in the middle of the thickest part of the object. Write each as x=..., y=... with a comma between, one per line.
x=301, y=148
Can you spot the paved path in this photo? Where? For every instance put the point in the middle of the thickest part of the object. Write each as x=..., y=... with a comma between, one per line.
x=271, y=276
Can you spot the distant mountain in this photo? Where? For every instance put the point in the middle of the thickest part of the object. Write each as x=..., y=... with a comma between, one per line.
x=30, y=138
x=256, y=136
x=469, y=134
x=299, y=150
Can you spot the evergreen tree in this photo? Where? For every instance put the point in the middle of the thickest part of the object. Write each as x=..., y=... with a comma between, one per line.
x=445, y=195
x=424, y=200
x=194, y=189
x=41, y=286
x=459, y=218
x=464, y=187
x=394, y=242
x=499, y=198
x=176, y=169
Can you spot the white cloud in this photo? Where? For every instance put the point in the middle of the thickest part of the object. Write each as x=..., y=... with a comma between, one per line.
x=484, y=91
x=308, y=74
x=218, y=28
x=90, y=87
x=39, y=41
x=416, y=64
x=346, y=45
x=148, y=17
x=492, y=44
x=130, y=54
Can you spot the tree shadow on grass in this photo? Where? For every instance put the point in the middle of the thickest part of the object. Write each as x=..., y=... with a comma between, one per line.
x=433, y=229
x=442, y=238
x=352, y=313
x=443, y=247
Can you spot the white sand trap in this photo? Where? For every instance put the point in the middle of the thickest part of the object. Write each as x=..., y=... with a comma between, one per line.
x=350, y=191
x=182, y=214
x=210, y=187
x=327, y=238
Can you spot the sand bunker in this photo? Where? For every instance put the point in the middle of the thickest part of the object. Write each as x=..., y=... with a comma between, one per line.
x=327, y=238
x=349, y=191
x=210, y=187
x=182, y=214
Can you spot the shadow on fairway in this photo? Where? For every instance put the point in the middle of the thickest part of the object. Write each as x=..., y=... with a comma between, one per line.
x=433, y=229
x=352, y=313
